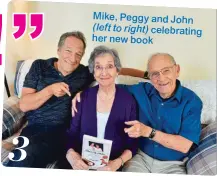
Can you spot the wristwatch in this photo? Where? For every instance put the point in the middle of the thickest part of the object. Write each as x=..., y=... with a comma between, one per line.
x=152, y=134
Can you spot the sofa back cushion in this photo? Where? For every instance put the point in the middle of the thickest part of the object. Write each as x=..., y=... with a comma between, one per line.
x=21, y=71
x=205, y=89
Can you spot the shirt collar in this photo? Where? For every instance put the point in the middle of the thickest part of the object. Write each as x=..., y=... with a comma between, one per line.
x=178, y=91
x=52, y=60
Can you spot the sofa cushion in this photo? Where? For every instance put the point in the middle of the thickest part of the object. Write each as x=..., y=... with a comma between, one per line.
x=206, y=90
x=21, y=71
x=202, y=160
x=4, y=155
x=12, y=117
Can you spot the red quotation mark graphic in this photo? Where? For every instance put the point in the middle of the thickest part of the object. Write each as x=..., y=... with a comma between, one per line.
x=0, y=36
x=36, y=20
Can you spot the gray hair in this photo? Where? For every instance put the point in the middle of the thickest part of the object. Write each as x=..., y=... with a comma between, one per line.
x=160, y=54
x=101, y=50
x=76, y=34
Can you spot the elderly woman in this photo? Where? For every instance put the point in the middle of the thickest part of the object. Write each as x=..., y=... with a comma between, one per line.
x=102, y=112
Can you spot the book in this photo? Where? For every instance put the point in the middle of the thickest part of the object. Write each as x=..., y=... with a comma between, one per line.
x=95, y=151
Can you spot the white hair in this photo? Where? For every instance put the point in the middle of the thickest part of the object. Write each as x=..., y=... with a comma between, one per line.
x=160, y=54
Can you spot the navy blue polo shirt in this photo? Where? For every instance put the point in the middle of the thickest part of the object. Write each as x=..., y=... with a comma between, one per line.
x=57, y=110
x=178, y=115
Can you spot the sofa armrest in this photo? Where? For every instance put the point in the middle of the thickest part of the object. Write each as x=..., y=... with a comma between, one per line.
x=13, y=117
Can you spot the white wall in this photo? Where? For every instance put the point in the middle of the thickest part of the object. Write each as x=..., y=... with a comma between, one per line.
x=197, y=56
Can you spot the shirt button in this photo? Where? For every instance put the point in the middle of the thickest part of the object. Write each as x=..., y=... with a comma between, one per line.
x=162, y=104
x=159, y=117
x=155, y=145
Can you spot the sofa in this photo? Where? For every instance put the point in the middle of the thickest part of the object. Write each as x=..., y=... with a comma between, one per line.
x=201, y=160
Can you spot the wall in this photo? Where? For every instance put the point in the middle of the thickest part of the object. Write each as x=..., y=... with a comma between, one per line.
x=197, y=56
x=16, y=49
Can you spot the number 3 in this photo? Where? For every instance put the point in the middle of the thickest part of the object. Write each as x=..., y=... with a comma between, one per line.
x=23, y=152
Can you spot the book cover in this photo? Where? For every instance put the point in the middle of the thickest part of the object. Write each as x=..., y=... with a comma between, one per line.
x=95, y=151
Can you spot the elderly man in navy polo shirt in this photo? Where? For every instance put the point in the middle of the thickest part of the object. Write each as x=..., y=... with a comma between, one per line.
x=169, y=119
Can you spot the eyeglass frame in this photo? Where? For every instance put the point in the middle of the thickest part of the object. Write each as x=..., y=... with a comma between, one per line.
x=102, y=68
x=160, y=71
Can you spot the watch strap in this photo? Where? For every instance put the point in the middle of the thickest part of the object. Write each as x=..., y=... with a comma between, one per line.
x=152, y=134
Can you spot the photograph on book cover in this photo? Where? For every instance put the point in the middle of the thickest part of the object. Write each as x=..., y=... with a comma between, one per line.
x=145, y=77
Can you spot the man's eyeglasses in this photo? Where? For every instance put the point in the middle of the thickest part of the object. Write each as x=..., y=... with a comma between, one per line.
x=99, y=68
x=165, y=71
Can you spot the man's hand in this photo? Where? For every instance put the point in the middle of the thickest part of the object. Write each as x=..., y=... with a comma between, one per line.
x=74, y=101
x=113, y=165
x=137, y=129
x=76, y=161
x=60, y=89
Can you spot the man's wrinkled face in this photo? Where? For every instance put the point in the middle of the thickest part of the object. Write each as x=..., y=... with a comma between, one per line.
x=70, y=54
x=163, y=74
